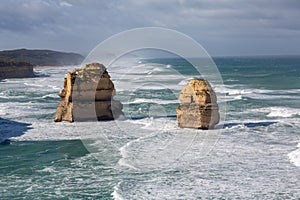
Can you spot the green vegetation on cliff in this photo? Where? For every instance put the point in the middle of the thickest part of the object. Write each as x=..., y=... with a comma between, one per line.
x=21, y=57
x=9, y=62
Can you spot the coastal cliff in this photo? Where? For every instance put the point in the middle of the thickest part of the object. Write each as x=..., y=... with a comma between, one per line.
x=20, y=63
x=43, y=57
x=13, y=68
x=16, y=72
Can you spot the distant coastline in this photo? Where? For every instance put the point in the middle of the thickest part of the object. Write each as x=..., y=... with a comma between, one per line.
x=20, y=63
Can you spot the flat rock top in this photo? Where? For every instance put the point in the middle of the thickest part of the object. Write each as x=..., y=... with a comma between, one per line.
x=94, y=66
x=90, y=72
x=198, y=91
x=199, y=85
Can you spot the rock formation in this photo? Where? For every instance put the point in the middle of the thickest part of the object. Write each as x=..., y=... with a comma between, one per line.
x=88, y=93
x=16, y=72
x=199, y=108
x=14, y=68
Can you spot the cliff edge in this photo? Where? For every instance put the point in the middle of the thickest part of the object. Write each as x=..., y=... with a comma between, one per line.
x=19, y=63
x=14, y=68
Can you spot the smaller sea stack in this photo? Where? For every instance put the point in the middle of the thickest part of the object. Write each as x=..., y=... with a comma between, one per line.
x=199, y=108
x=88, y=95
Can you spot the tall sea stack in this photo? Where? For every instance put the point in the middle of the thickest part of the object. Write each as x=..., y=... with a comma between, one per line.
x=199, y=108
x=88, y=94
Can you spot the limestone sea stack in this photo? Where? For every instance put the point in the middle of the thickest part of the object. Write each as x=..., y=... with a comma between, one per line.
x=199, y=108
x=88, y=94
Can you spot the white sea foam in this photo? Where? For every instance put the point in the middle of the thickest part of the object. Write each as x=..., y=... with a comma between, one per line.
x=242, y=89
x=185, y=81
x=150, y=76
x=230, y=91
x=136, y=68
x=45, y=131
x=3, y=95
x=282, y=112
x=294, y=156
x=238, y=92
x=162, y=144
x=239, y=97
x=48, y=169
x=126, y=154
x=116, y=194
x=50, y=95
x=33, y=85
x=157, y=101
x=276, y=112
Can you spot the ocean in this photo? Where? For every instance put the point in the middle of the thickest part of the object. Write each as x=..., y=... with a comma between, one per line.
x=254, y=153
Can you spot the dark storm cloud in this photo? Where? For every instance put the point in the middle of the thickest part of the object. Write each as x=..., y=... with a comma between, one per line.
x=222, y=26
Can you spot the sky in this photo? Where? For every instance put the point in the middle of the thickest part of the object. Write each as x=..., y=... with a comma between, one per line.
x=222, y=27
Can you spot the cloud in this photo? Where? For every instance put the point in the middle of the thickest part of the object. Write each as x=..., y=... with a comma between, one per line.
x=63, y=3
x=78, y=25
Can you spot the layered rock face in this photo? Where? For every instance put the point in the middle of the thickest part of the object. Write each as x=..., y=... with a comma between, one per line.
x=16, y=72
x=88, y=94
x=199, y=108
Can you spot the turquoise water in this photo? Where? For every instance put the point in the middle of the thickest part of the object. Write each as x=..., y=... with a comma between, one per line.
x=253, y=154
